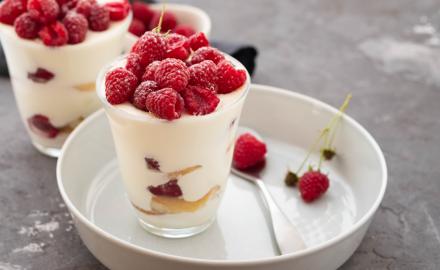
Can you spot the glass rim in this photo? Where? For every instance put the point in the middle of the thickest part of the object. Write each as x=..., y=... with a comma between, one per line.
x=100, y=91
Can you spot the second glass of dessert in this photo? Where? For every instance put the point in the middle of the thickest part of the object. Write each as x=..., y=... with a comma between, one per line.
x=173, y=104
x=55, y=49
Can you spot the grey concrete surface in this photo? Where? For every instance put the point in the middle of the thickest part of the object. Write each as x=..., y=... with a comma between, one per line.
x=385, y=52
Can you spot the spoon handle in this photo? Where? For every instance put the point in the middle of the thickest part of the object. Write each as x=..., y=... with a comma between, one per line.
x=288, y=238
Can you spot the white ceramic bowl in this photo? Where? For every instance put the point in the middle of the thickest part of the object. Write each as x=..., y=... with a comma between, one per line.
x=332, y=227
x=185, y=14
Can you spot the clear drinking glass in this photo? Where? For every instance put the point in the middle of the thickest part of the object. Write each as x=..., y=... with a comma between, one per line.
x=54, y=87
x=193, y=152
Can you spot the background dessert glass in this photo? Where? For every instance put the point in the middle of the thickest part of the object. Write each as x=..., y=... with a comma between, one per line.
x=54, y=86
x=193, y=151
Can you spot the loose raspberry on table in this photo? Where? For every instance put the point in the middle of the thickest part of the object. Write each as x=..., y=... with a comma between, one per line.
x=41, y=75
x=312, y=185
x=249, y=151
x=119, y=85
x=165, y=103
x=85, y=6
x=199, y=100
x=207, y=53
x=172, y=73
x=151, y=47
x=184, y=30
x=11, y=9
x=54, y=34
x=48, y=10
x=203, y=74
x=229, y=78
x=150, y=70
x=27, y=25
x=142, y=12
x=198, y=40
x=142, y=91
x=99, y=18
x=76, y=25
x=134, y=65
x=169, y=189
x=169, y=21
x=41, y=125
x=118, y=10
x=137, y=27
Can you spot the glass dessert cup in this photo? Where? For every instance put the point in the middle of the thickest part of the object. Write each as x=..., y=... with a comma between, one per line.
x=193, y=152
x=54, y=87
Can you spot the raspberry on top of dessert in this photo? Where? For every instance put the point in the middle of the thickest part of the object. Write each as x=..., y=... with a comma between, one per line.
x=60, y=22
x=169, y=74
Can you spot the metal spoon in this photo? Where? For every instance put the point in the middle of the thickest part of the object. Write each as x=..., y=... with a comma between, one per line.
x=287, y=236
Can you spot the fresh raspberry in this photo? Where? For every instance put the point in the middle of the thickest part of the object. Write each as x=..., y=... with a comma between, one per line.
x=134, y=65
x=54, y=34
x=41, y=125
x=65, y=7
x=76, y=25
x=165, y=103
x=99, y=18
x=169, y=189
x=169, y=21
x=229, y=78
x=199, y=100
x=85, y=6
x=184, y=30
x=142, y=91
x=207, y=53
x=27, y=25
x=118, y=10
x=177, y=46
x=41, y=75
x=142, y=12
x=119, y=85
x=172, y=73
x=11, y=9
x=137, y=27
x=312, y=185
x=198, y=40
x=47, y=9
x=249, y=151
x=150, y=70
x=151, y=47
x=203, y=74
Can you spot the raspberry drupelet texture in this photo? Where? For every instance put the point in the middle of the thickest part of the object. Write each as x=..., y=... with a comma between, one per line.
x=198, y=40
x=54, y=34
x=85, y=6
x=249, y=151
x=11, y=9
x=76, y=25
x=99, y=18
x=165, y=103
x=151, y=47
x=142, y=91
x=150, y=70
x=312, y=185
x=48, y=10
x=177, y=46
x=229, y=78
x=172, y=73
x=134, y=65
x=207, y=53
x=27, y=25
x=199, y=100
x=119, y=85
x=203, y=74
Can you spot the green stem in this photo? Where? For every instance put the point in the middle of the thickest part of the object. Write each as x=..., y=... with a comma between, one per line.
x=323, y=133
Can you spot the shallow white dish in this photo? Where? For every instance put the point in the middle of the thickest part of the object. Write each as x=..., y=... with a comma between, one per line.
x=185, y=14
x=333, y=226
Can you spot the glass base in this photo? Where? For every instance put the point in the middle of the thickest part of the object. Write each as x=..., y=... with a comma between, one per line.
x=175, y=233
x=48, y=151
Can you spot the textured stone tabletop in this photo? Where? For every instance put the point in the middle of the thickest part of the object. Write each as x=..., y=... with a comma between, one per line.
x=387, y=53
